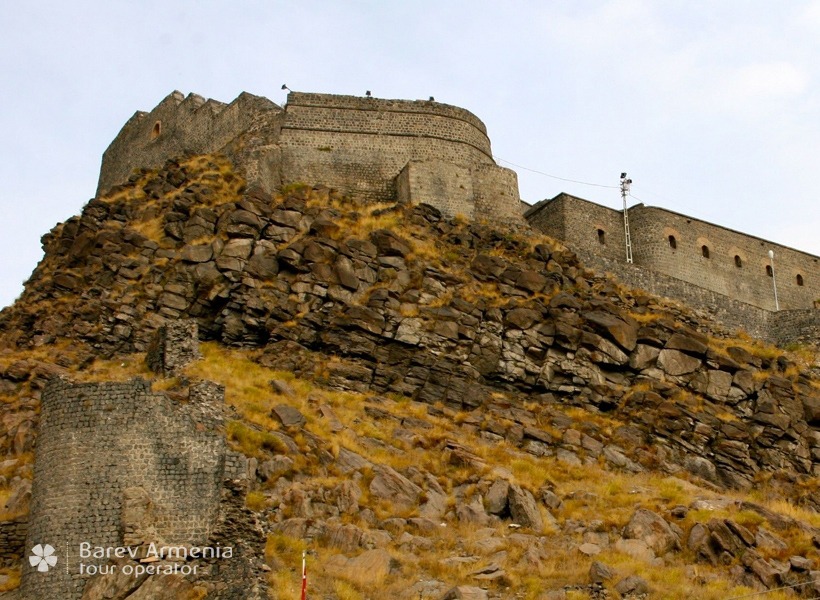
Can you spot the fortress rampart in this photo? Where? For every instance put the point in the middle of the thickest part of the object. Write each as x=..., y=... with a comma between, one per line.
x=361, y=146
x=178, y=126
x=418, y=151
x=709, y=267
x=103, y=446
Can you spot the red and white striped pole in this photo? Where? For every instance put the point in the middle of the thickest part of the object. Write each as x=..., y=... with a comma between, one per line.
x=304, y=577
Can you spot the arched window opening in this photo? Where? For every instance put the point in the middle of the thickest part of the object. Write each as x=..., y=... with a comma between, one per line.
x=673, y=243
x=602, y=237
x=704, y=250
x=738, y=261
x=769, y=271
x=156, y=130
x=799, y=280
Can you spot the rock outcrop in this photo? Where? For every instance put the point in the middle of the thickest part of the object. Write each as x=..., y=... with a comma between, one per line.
x=508, y=339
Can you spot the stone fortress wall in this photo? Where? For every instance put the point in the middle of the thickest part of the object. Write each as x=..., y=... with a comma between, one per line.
x=177, y=126
x=428, y=152
x=377, y=149
x=118, y=464
x=709, y=267
x=97, y=440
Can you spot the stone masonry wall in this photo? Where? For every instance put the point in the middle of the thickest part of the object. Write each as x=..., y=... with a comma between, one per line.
x=578, y=222
x=175, y=345
x=783, y=327
x=732, y=313
x=723, y=261
x=443, y=185
x=736, y=265
x=13, y=541
x=95, y=441
x=795, y=326
x=496, y=193
x=360, y=145
x=357, y=145
x=179, y=125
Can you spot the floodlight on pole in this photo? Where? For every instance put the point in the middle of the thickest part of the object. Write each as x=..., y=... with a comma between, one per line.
x=625, y=183
x=774, y=280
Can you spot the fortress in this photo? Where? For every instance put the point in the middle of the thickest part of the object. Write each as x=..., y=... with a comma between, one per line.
x=428, y=152
x=380, y=150
x=123, y=464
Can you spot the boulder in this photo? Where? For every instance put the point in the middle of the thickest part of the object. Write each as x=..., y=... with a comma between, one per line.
x=197, y=253
x=274, y=467
x=347, y=538
x=632, y=586
x=375, y=564
x=521, y=318
x=766, y=540
x=719, y=384
x=472, y=512
x=117, y=585
x=811, y=408
x=391, y=485
x=652, y=529
x=389, y=244
x=643, y=356
x=346, y=274
x=496, y=499
x=532, y=281
x=599, y=572
x=675, y=362
x=625, y=334
x=282, y=387
x=702, y=467
x=347, y=497
x=288, y=416
x=486, y=266
x=19, y=500
x=589, y=549
x=637, y=549
x=465, y=592
x=523, y=508
x=687, y=342
x=348, y=461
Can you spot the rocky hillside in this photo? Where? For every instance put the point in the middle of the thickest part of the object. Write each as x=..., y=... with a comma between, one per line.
x=435, y=406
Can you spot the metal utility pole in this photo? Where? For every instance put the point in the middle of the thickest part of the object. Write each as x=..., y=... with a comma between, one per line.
x=774, y=281
x=625, y=183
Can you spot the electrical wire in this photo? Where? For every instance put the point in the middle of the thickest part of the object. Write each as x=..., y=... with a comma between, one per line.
x=498, y=158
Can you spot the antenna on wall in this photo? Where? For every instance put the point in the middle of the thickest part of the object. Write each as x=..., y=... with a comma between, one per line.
x=625, y=183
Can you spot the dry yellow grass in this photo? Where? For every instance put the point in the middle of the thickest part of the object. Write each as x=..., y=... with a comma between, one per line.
x=589, y=490
x=119, y=369
x=8, y=515
x=752, y=346
x=13, y=582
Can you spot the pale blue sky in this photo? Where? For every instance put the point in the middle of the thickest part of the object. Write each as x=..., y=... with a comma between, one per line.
x=713, y=108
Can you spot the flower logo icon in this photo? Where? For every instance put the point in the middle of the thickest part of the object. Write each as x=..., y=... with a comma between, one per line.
x=42, y=557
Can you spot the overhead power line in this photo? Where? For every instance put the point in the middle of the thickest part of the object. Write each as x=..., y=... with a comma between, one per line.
x=498, y=158
x=600, y=185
